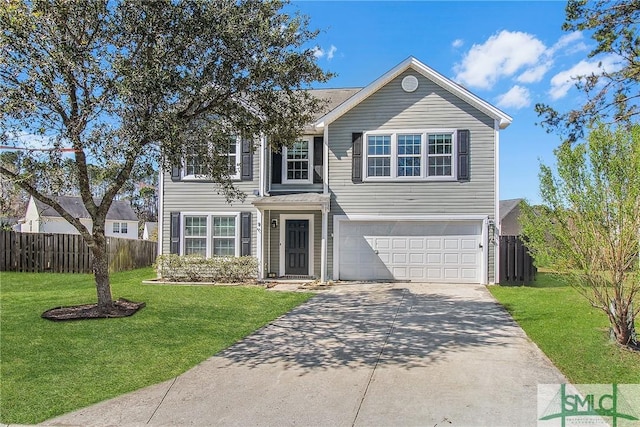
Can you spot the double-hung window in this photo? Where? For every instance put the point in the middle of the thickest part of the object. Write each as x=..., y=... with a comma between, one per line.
x=195, y=235
x=195, y=166
x=211, y=235
x=440, y=154
x=298, y=162
x=224, y=236
x=120, y=228
x=379, y=155
x=232, y=159
x=410, y=155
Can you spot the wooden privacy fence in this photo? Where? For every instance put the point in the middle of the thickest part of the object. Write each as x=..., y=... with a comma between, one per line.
x=516, y=264
x=68, y=253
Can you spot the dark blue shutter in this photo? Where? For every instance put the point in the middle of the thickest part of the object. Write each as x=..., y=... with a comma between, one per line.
x=356, y=158
x=174, y=233
x=464, y=155
x=246, y=163
x=175, y=173
x=276, y=168
x=245, y=233
x=317, y=159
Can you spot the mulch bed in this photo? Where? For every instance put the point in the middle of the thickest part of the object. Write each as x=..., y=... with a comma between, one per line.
x=121, y=308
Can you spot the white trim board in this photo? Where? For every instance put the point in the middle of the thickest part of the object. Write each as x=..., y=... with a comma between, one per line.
x=283, y=219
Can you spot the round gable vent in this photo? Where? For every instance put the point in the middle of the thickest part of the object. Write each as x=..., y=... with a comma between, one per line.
x=410, y=83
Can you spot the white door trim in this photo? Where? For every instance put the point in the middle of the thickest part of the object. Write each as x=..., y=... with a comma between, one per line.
x=283, y=226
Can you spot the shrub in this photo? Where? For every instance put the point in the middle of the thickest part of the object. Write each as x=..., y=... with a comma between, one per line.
x=196, y=268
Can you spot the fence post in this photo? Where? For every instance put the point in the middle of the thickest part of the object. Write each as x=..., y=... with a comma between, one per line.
x=516, y=264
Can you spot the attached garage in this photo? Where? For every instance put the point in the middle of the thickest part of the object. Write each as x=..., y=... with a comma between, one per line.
x=442, y=251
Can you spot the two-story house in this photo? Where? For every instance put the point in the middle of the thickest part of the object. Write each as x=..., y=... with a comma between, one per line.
x=397, y=181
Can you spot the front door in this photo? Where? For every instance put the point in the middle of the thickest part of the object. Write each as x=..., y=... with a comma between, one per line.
x=296, y=248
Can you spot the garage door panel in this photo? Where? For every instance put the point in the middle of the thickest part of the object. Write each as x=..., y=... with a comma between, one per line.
x=381, y=243
x=434, y=258
x=468, y=273
x=451, y=244
x=398, y=250
x=416, y=273
x=468, y=259
x=418, y=244
x=434, y=274
x=451, y=259
x=416, y=258
x=434, y=244
x=451, y=273
x=468, y=244
x=399, y=258
x=400, y=243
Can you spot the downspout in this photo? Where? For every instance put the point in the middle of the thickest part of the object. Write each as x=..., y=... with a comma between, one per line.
x=160, y=210
x=496, y=208
x=260, y=218
x=325, y=209
x=263, y=170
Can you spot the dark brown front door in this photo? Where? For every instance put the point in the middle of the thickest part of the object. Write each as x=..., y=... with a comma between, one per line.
x=296, y=249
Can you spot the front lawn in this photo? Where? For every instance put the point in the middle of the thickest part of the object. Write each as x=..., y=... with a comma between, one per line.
x=50, y=368
x=569, y=331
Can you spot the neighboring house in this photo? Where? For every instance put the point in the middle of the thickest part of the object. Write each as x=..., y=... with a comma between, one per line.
x=149, y=229
x=509, y=217
x=41, y=218
x=396, y=181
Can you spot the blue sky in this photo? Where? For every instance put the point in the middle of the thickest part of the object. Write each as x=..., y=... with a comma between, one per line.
x=512, y=54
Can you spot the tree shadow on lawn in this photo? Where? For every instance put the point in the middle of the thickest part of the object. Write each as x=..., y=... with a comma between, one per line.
x=391, y=327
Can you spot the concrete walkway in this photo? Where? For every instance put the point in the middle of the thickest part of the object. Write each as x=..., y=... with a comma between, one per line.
x=356, y=355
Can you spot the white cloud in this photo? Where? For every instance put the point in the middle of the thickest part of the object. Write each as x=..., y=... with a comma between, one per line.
x=535, y=74
x=517, y=97
x=513, y=53
x=572, y=41
x=565, y=80
x=457, y=43
x=332, y=51
x=502, y=55
x=318, y=52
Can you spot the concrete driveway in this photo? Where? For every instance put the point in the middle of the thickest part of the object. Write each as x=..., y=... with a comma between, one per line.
x=357, y=355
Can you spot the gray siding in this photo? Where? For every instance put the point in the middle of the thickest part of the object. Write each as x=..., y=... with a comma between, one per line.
x=430, y=106
x=202, y=196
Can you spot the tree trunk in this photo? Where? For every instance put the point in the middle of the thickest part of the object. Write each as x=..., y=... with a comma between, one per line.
x=101, y=274
x=623, y=324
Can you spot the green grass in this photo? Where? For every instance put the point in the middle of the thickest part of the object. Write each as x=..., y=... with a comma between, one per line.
x=574, y=335
x=50, y=368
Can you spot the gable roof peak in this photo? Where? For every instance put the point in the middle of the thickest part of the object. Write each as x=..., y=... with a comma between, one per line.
x=456, y=89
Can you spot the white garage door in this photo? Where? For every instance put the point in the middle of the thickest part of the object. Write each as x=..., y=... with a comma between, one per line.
x=427, y=251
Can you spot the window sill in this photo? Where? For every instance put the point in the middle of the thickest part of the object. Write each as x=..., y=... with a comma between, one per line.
x=195, y=178
x=410, y=179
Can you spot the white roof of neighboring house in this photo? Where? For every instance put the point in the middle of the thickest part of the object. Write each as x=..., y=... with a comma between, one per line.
x=119, y=210
x=338, y=109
